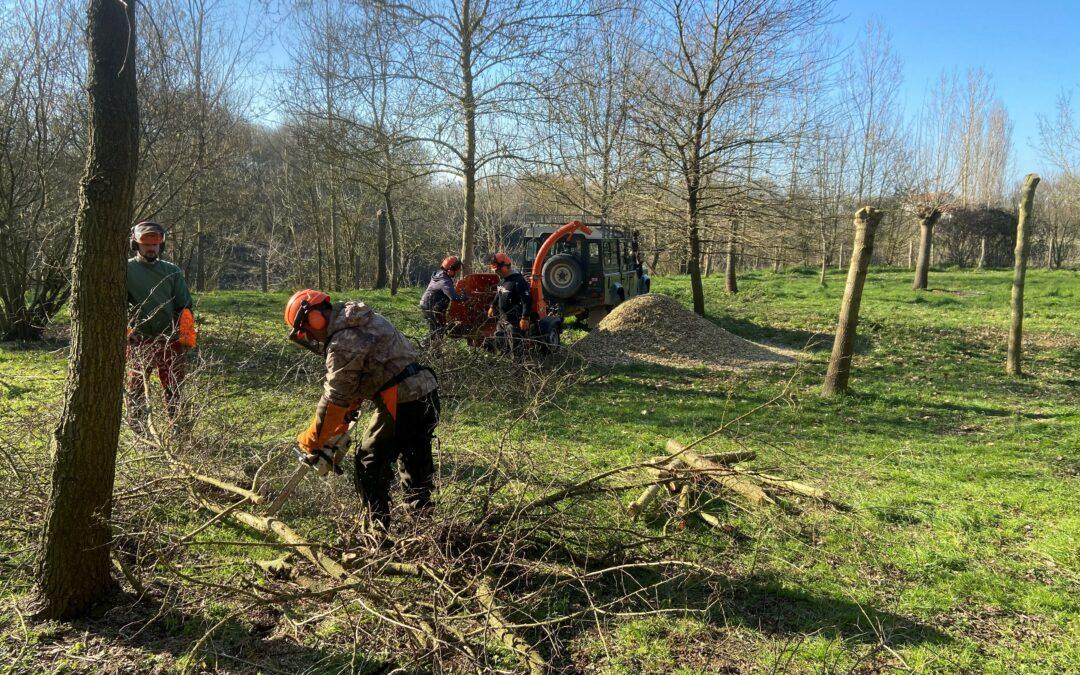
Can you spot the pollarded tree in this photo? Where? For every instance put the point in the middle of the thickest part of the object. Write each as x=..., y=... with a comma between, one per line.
x=73, y=570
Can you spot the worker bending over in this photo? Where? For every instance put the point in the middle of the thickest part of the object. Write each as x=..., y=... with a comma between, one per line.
x=436, y=299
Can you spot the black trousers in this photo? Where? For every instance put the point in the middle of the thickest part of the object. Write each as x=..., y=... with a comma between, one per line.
x=436, y=323
x=408, y=439
x=509, y=338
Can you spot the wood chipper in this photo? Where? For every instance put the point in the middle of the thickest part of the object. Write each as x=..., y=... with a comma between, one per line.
x=469, y=319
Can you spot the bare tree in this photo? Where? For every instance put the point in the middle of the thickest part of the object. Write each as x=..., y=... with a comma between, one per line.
x=73, y=569
x=588, y=145
x=711, y=62
x=483, y=64
x=39, y=159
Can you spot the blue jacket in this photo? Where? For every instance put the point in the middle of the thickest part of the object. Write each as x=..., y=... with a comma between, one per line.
x=440, y=291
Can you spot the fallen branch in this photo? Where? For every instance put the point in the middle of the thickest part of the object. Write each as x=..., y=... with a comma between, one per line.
x=722, y=475
x=495, y=620
x=784, y=484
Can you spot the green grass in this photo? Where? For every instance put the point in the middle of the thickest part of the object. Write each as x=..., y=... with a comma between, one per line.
x=959, y=549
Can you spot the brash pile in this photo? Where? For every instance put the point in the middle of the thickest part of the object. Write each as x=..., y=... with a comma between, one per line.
x=656, y=329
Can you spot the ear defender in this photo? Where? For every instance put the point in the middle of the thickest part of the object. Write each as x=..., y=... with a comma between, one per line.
x=316, y=319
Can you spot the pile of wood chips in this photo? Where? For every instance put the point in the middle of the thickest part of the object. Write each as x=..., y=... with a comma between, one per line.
x=656, y=329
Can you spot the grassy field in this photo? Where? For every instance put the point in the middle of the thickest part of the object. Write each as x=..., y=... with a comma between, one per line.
x=957, y=548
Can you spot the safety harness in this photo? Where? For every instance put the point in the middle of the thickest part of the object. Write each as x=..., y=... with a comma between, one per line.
x=388, y=392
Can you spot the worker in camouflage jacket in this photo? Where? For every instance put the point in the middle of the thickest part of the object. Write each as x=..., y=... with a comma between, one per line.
x=161, y=328
x=511, y=306
x=368, y=359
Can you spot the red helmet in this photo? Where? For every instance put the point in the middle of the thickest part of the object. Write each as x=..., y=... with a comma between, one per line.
x=500, y=259
x=451, y=262
x=300, y=305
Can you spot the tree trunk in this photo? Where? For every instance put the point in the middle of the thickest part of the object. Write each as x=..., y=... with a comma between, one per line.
x=264, y=277
x=779, y=255
x=380, y=246
x=395, y=245
x=927, y=219
x=697, y=290
x=73, y=570
x=731, y=285
x=335, y=259
x=836, y=379
x=1016, y=329
x=910, y=253
x=840, y=258
x=319, y=258
x=468, y=163
x=982, y=252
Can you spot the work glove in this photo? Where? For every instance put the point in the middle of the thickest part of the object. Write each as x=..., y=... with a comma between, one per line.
x=491, y=312
x=523, y=324
x=329, y=421
x=186, y=329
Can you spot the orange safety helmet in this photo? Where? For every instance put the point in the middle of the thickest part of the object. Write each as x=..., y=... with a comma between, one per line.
x=298, y=310
x=500, y=259
x=451, y=262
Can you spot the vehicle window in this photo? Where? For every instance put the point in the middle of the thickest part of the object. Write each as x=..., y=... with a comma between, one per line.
x=594, y=253
x=611, y=256
x=531, y=247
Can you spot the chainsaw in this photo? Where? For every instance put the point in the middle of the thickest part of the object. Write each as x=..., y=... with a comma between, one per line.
x=322, y=461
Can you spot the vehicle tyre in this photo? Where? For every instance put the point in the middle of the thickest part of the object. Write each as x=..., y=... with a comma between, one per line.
x=562, y=276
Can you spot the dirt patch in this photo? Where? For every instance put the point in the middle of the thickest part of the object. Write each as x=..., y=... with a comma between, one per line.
x=656, y=329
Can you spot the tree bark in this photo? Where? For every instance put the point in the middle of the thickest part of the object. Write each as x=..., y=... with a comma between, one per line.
x=927, y=219
x=380, y=245
x=468, y=159
x=982, y=252
x=1016, y=329
x=73, y=571
x=910, y=253
x=731, y=285
x=836, y=379
x=697, y=290
x=395, y=245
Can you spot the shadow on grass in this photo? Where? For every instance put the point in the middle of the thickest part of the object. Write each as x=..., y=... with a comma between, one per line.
x=766, y=605
x=136, y=635
x=788, y=337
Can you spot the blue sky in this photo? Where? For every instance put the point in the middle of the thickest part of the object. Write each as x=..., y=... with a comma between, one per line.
x=1031, y=50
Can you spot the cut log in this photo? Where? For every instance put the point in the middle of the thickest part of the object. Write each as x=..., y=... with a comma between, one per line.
x=639, y=505
x=646, y=497
x=719, y=473
x=732, y=457
x=710, y=519
x=784, y=484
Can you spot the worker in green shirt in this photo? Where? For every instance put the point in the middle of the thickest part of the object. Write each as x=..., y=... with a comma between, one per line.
x=161, y=327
